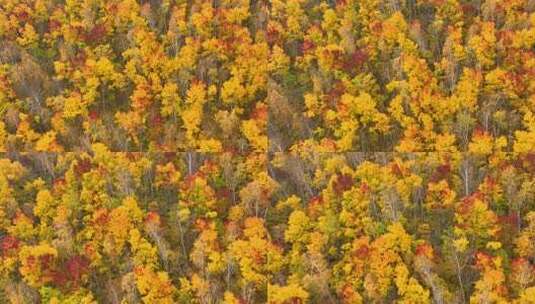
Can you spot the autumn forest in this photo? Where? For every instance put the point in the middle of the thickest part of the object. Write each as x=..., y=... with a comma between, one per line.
x=267, y=151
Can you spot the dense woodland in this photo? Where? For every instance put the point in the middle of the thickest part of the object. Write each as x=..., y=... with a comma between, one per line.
x=255, y=151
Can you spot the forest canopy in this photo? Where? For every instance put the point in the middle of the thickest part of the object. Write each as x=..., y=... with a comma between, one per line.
x=280, y=152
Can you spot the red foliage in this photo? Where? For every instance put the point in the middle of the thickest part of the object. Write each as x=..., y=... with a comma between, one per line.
x=189, y=180
x=141, y=102
x=307, y=46
x=156, y=120
x=396, y=170
x=530, y=162
x=58, y=184
x=329, y=144
x=46, y=261
x=59, y=278
x=113, y=9
x=441, y=172
x=133, y=156
x=468, y=9
x=505, y=36
x=169, y=156
x=482, y=259
x=490, y=182
x=337, y=91
x=78, y=60
x=22, y=16
x=89, y=249
x=272, y=34
x=93, y=115
x=517, y=80
x=479, y=132
x=77, y=266
x=9, y=244
x=53, y=25
x=510, y=220
x=377, y=27
x=201, y=224
x=259, y=257
x=316, y=200
x=518, y=262
x=314, y=205
x=208, y=167
x=355, y=60
x=260, y=112
x=362, y=252
x=102, y=217
x=31, y=261
x=466, y=204
x=223, y=194
x=71, y=272
x=347, y=292
x=229, y=148
x=343, y=182
x=425, y=250
x=364, y=188
x=152, y=217
x=521, y=265
x=96, y=34
x=138, y=270
x=336, y=55
x=82, y=166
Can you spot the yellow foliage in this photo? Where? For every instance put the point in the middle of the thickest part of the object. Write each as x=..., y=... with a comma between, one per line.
x=45, y=205
x=154, y=287
x=286, y=294
x=254, y=131
x=28, y=36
